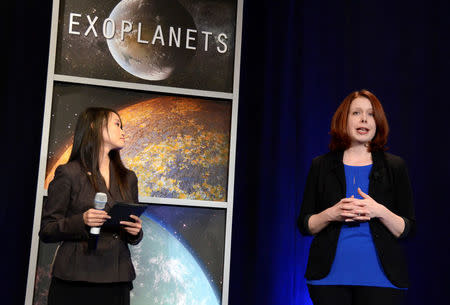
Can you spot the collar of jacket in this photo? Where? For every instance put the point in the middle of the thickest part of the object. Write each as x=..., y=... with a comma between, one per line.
x=377, y=172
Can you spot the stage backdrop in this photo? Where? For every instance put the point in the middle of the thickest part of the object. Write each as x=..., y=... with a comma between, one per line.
x=170, y=69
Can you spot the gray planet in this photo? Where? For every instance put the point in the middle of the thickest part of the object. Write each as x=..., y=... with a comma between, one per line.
x=145, y=20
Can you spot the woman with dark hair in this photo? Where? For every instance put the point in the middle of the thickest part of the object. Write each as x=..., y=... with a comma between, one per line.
x=83, y=273
x=358, y=205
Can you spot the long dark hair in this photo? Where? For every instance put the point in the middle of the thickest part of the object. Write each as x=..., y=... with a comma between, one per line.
x=87, y=142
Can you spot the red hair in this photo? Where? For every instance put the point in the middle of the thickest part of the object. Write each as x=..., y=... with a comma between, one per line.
x=340, y=140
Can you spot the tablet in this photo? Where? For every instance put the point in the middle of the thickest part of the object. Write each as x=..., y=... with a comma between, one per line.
x=121, y=211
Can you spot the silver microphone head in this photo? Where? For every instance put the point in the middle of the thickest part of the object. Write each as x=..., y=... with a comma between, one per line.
x=100, y=200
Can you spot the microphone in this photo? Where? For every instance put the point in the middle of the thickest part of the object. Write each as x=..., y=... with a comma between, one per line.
x=99, y=204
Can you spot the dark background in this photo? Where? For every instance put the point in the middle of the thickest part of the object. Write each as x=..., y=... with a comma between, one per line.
x=299, y=60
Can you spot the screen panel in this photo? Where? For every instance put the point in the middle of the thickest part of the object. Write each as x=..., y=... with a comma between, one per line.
x=177, y=145
x=175, y=43
x=181, y=257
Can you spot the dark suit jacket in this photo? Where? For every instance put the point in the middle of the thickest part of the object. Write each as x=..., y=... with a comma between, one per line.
x=70, y=194
x=388, y=185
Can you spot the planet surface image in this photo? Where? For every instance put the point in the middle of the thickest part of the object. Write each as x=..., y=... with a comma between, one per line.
x=167, y=273
x=154, y=59
x=178, y=147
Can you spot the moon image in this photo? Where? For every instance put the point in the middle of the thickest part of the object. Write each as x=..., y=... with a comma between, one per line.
x=167, y=273
x=177, y=146
x=155, y=59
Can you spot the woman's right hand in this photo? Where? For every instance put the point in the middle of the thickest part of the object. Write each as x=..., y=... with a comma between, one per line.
x=343, y=210
x=339, y=212
x=95, y=218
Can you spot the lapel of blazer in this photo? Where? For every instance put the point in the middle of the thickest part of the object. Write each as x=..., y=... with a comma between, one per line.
x=113, y=192
x=339, y=171
x=377, y=172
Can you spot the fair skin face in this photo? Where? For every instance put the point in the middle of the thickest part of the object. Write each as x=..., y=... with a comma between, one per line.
x=113, y=138
x=361, y=129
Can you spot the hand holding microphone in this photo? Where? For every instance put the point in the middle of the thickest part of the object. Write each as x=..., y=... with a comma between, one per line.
x=95, y=218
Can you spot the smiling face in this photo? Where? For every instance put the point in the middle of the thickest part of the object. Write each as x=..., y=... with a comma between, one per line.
x=113, y=135
x=361, y=126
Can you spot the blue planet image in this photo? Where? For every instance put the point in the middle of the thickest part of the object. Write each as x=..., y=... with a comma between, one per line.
x=167, y=273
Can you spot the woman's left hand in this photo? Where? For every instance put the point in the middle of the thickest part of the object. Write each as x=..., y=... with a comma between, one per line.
x=132, y=228
x=366, y=208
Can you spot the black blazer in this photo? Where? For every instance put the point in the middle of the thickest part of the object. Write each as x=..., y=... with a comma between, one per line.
x=70, y=194
x=388, y=185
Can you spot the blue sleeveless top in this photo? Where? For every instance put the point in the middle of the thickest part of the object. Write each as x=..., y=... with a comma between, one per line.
x=356, y=261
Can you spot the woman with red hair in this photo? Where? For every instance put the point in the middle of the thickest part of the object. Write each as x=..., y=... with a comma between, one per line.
x=358, y=204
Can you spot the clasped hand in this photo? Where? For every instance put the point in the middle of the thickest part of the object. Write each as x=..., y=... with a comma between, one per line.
x=353, y=209
x=96, y=218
